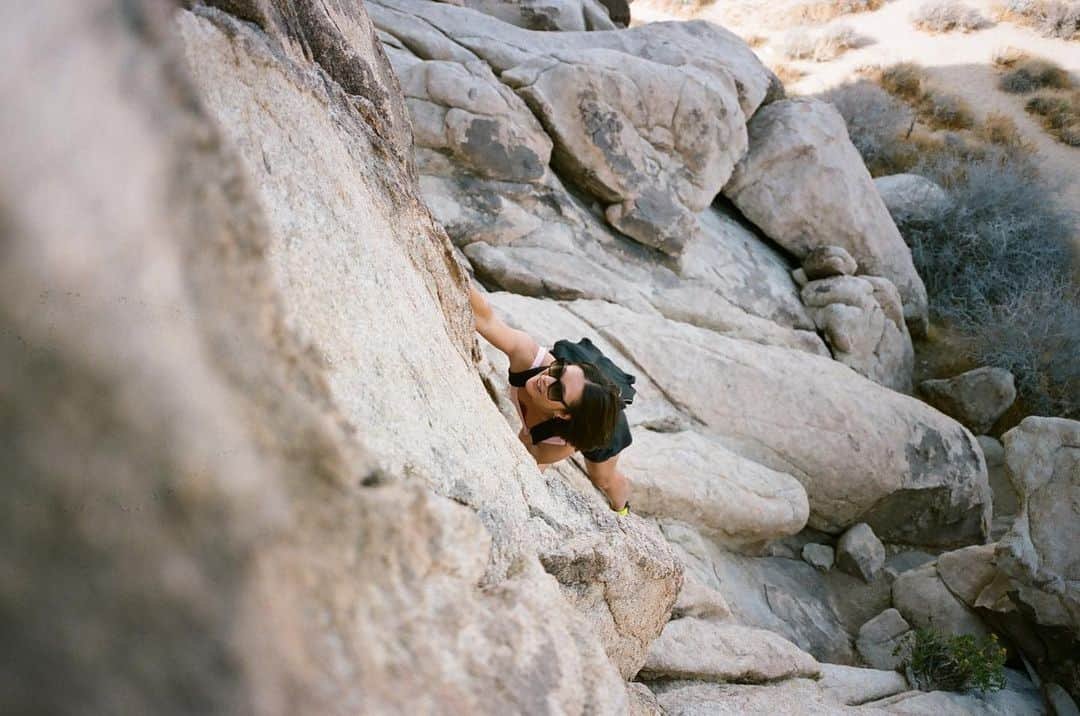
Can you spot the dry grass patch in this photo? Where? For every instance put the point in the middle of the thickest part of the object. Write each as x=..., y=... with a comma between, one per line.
x=787, y=74
x=755, y=40
x=1052, y=18
x=1025, y=74
x=822, y=46
x=1000, y=129
x=1059, y=113
x=947, y=16
x=816, y=12
x=934, y=106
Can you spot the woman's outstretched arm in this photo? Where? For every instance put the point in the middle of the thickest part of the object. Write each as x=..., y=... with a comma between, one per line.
x=519, y=346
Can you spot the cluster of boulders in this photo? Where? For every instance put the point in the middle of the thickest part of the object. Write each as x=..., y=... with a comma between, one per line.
x=281, y=472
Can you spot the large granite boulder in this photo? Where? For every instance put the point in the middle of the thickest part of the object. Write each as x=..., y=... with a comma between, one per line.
x=331, y=213
x=692, y=477
x=652, y=142
x=804, y=184
x=912, y=198
x=692, y=648
x=794, y=697
x=864, y=453
x=195, y=522
x=1042, y=456
x=651, y=131
x=976, y=398
x=924, y=601
x=551, y=15
x=881, y=640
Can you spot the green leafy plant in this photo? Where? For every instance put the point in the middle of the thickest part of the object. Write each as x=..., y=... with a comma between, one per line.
x=959, y=662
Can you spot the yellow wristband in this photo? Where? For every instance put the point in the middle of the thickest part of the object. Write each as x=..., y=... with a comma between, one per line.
x=624, y=511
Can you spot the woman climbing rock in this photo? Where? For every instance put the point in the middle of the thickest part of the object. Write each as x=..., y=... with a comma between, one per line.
x=569, y=398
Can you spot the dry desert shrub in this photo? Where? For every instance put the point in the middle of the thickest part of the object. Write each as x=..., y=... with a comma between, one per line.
x=755, y=40
x=1059, y=114
x=1052, y=18
x=904, y=79
x=1027, y=74
x=816, y=12
x=947, y=16
x=1000, y=129
x=997, y=262
x=822, y=46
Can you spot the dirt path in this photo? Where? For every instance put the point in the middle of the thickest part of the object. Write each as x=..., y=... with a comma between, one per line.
x=960, y=63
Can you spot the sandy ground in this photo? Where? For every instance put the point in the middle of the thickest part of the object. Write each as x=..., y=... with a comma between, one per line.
x=961, y=63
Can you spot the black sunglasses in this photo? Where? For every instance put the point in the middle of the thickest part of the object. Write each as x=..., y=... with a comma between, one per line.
x=555, y=392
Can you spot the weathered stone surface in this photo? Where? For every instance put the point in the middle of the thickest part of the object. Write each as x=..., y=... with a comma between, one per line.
x=794, y=697
x=912, y=198
x=410, y=411
x=863, y=453
x=194, y=522
x=827, y=261
x=692, y=477
x=693, y=648
x=968, y=572
x=853, y=686
x=976, y=398
x=1042, y=456
x=1006, y=502
x=648, y=121
x=819, y=556
x=1060, y=702
x=1018, y=698
x=864, y=326
x=699, y=600
x=550, y=15
x=642, y=701
x=804, y=184
x=785, y=596
x=435, y=30
x=924, y=601
x=616, y=136
x=860, y=553
x=879, y=638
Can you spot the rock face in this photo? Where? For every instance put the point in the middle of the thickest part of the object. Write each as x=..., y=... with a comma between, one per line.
x=863, y=323
x=273, y=564
x=564, y=15
x=976, y=398
x=831, y=200
x=860, y=553
x=880, y=637
x=819, y=556
x=1043, y=460
x=912, y=198
x=691, y=477
x=1006, y=502
x=578, y=541
x=924, y=601
x=863, y=453
x=854, y=686
x=691, y=648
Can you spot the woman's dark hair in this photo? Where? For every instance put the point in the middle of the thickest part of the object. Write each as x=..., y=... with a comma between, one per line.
x=594, y=416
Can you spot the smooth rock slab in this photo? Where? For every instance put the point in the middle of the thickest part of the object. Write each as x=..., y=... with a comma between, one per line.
x=692, y=648
x=864, y=453
x=804, y=184
x=976, y=398
x=794, y=697
x=692, y=477
x=853, y=686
